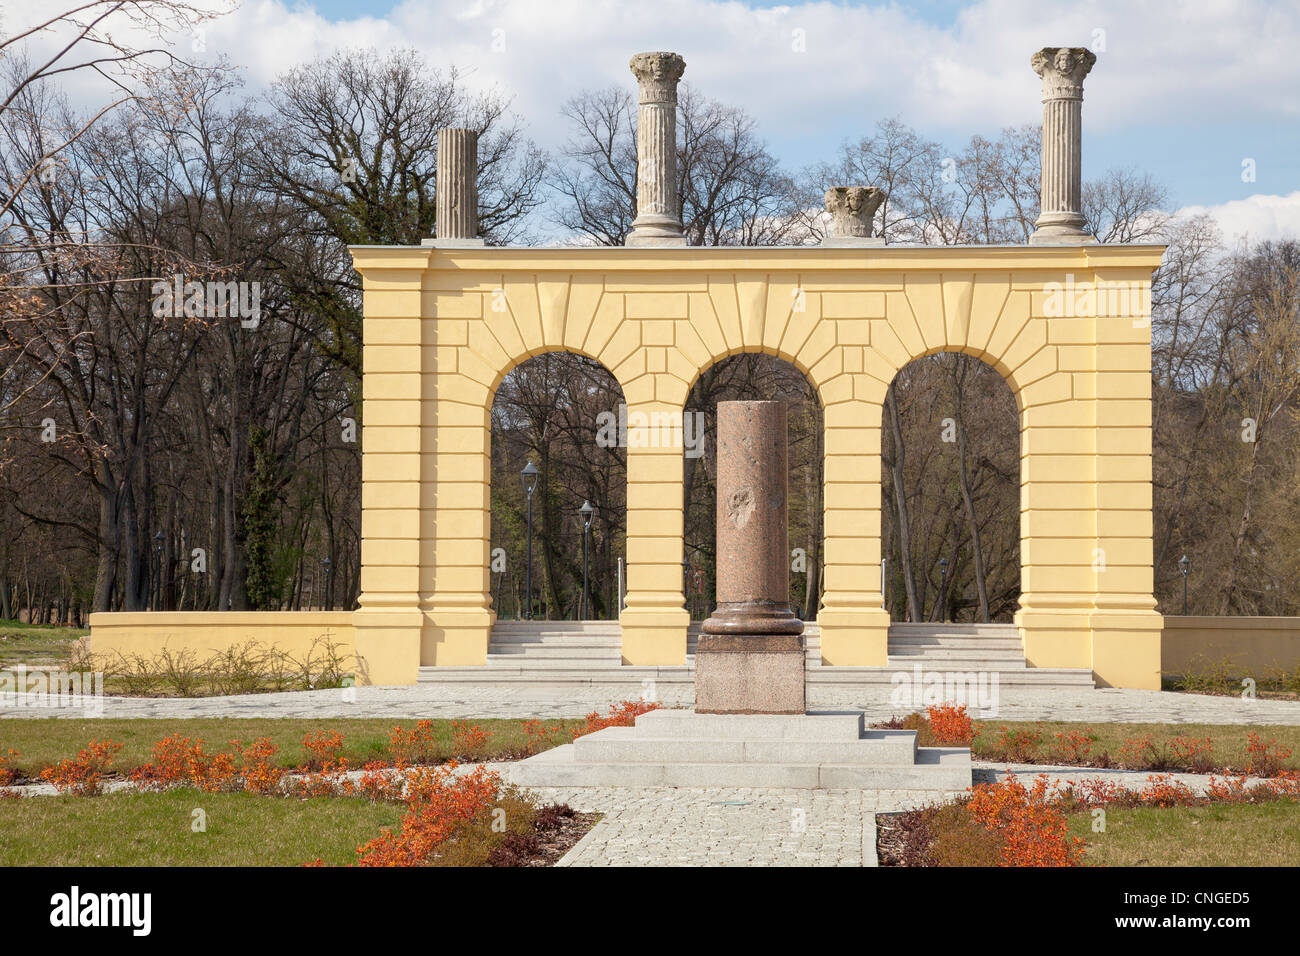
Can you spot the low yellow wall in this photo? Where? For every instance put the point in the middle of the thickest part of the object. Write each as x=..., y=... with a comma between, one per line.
x=207, y=632
x=1255, y=645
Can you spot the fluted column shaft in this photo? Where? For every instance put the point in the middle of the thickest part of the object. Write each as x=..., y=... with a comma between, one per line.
x=1061, y=217
x=657, y=221
x=457, y=201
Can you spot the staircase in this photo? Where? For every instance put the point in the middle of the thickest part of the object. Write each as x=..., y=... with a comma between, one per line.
x=678, y=748
x=575, y=653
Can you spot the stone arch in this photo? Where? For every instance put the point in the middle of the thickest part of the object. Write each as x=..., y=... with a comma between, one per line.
x=814, y=557
x=610, y=510
x=895, y=515
x=442, y=326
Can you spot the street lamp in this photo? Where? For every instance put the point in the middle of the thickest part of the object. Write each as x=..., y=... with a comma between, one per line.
x=326, y=566
x=529, y=476
x=1184, y=565
x=943, y=583
x=157, y=554
x=586, y=511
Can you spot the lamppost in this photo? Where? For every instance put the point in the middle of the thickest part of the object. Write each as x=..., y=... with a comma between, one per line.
x=529, y=476
x=326, y=566
x=943, y=584
x=157, y=556
x=884, y=583
x=1184, y=565
x=586, y=511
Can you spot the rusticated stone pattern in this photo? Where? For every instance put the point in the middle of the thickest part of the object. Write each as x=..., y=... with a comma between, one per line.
x=457, y=184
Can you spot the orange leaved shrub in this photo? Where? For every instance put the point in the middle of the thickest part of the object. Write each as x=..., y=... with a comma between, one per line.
x=440, y=801
x=468, y=740
x=83, y=775
x=417, y=745
x=8, y=772
x=622, y=714
x=181, y=762
x=951, y=725
x=1265, y=757
x=1033, y=831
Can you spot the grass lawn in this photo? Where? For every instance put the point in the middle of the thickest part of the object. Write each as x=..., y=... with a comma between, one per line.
x=43, y=741
x=1265, y=834
x=1229, y=741
x=154, y=829
x=39, y=644
x=47, y=740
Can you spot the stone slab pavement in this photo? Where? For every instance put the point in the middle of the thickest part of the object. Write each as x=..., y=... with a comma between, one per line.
x=665, y=826
x=482, y=701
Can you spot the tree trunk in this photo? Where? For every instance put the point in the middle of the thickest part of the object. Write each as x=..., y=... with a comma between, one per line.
x=900, y=506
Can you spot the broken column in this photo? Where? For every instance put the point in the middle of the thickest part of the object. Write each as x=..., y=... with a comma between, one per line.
x=852, y=212
x=1060, y=219
x=457, y=191
x=657, y=222
x=750, y=657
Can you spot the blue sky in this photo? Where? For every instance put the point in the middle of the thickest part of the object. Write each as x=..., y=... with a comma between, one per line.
x=1185, y=91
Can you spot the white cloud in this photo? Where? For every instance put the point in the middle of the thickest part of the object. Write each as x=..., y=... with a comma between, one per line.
x=1178, y=64
x=1257, y=218
x=1189, y=66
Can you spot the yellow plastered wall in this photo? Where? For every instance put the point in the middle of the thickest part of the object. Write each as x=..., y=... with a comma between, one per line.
x=300, y=634
x=443, y=326
x=1258, y=647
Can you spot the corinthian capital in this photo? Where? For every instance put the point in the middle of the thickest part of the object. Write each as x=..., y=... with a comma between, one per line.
x=657, y=75
x=1063, y=69
x=852, y=210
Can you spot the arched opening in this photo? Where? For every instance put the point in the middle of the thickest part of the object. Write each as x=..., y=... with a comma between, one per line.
x=549, y=410
x=755, y=376
x=950, y=492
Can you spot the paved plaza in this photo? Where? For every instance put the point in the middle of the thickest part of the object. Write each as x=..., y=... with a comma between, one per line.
x=478, y=703
x=716, y=826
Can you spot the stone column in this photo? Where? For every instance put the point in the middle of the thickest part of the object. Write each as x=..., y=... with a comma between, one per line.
x=750, y=658
x=457, y=198
x=1060, y=219
x=657, y=222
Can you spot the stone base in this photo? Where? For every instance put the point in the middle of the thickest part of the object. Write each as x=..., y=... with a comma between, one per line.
x=653, y=229
x=678, y=748
x=840, y=241
x=454, y=243
x=1061, y=229
x=634, y=240
x=750, y=674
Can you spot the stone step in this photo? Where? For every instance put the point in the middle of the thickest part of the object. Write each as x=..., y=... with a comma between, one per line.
x=545, y=651
x=569, y=677
x=630, y=747
x=512, y=631
x=1028, y=676
x=905, y=629
x=957, y=640
x=513, y=675
x=558, y=640
x=936, y=769
x=946, y=653
x=816, y=725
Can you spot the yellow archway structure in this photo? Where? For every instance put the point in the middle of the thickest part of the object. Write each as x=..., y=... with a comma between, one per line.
x=1067, y=326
